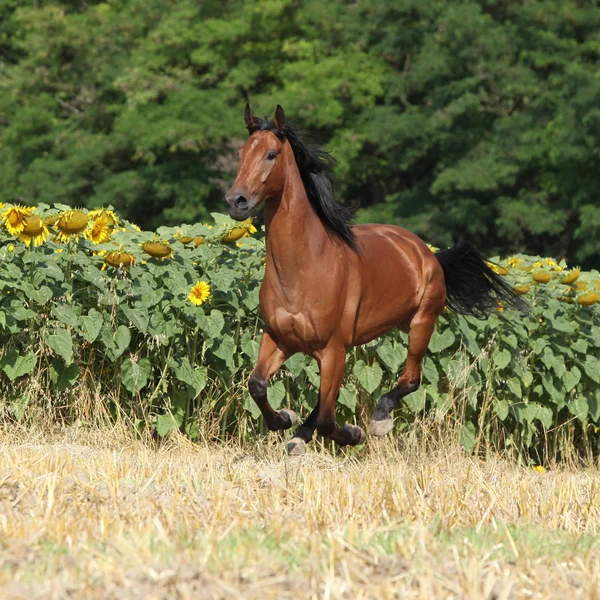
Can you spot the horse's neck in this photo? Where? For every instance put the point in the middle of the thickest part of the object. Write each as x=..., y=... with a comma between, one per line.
x=296, y=238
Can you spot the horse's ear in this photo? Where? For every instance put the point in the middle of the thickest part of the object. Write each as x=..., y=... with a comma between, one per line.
x=279, y=118
x=248, y=117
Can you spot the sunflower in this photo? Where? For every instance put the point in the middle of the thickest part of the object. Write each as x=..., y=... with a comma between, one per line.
x=237, y=233
x=118, y=259
x=542, y=276
x=572, y=276
x=158, y=249
x=98, y=230
x=199, y=293
x=103, y=213
x=14, y=218
x=513, y=261
x=71, y=223
x=34, y=229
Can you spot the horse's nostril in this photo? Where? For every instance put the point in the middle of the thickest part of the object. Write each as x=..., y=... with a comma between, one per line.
x=241, y=202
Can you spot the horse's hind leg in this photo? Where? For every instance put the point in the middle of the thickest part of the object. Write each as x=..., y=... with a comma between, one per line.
x=270, y=358
x=419, y=334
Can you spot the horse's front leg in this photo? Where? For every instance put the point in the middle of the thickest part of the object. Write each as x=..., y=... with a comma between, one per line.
x=332, y=362
x=270, y=358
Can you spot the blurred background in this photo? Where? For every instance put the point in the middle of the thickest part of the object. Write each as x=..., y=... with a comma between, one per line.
x=476, y=120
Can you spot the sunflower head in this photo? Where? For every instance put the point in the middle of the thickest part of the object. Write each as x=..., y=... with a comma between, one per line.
x=542, y=276
x=119, y=258
x=572, y=276
x=522, y=289
x=158, y=249
x=32, y=225
x=35, y=230
x=186, y=239
x=199, y=293
x=235, y=234
x=98, y=230
x=588, y=299
x=106, y=215
x=71, y=222
x=14, y=218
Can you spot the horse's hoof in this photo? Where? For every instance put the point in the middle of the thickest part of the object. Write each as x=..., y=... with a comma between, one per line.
x=356, y=432
x=381, y=428
x=293, y=417
x=296, y=447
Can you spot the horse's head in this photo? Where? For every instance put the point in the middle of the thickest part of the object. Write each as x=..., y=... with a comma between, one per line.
x=261, y=172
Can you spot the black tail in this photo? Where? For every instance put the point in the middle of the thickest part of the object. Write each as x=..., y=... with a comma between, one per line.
x=472, y=288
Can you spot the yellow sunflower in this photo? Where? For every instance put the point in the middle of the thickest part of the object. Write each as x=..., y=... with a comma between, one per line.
x=71, y=223
x=14, y=218
x=199, y=293
x=103, y=213
x=98, y=230
x=34, y=229
x=158, y=249
x=118, y=259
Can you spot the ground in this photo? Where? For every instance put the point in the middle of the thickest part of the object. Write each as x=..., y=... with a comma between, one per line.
x=101, y=515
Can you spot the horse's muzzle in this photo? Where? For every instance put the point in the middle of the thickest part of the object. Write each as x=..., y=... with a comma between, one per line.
x=239, y=205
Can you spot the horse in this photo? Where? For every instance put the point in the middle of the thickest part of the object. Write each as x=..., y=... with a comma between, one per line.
x=330, y=285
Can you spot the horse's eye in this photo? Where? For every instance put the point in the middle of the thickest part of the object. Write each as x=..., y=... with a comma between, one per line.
x=272, y=155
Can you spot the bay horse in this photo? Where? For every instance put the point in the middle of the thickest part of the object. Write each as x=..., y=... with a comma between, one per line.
x=329, y=285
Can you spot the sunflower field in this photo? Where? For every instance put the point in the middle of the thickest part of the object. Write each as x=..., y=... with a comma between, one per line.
x=99, y=320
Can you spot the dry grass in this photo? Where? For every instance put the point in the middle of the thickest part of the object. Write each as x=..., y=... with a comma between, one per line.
x=99, y=515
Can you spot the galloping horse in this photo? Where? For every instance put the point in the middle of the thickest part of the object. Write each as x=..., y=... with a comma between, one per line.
x=329, y=285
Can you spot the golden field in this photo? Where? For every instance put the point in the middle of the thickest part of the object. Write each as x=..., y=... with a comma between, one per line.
x=99, y=514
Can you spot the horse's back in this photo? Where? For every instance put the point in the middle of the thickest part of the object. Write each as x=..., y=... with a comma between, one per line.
x=395, y=271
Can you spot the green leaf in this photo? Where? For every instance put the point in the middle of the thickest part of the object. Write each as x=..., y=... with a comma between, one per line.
x=312, y=372
x=135, y=375
x=430, y=372
x=501, y=358
x=212, y=324
x=137, y=316
x=194, y=377
x=250, y=348
x=121, y=340
x=226, y=350
x=542, y=413
x=18, y=311
x=571, y=379
x=501, y=409
x=391, y=357
x=65, y=314
x=368, y=376
x=164, y=424
x=251, y=406
x=63, y=377
x=416, y=401
x=90, y=325
x=348, y=398
x=61, y=342
x=441, y=341
x=296, y=363
x=578, y=407
x=594, y=405
x=16, y=366
x=467, y=436
x=40, y=295
x=592, y=368
x=514, y=385
x=276, y=394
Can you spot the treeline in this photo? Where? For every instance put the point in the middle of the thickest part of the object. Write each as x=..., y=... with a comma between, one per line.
x=476, y=120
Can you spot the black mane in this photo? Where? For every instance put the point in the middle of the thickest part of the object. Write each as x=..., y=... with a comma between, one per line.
x=316, y=170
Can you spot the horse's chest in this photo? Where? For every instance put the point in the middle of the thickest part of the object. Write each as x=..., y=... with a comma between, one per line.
x=296, y=330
